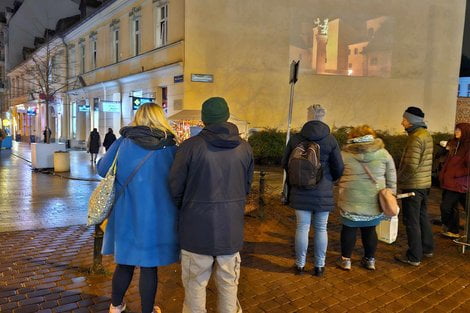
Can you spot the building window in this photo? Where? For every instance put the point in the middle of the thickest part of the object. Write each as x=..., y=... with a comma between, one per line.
x=72, y=60
x=93, y=53
x=161, y=27
x=136, y=36
x=82, y=58
x=116, y=45
x=355, y=50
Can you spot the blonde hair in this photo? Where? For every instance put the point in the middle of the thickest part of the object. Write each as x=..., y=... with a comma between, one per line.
x=151, y=115
x=360, y=131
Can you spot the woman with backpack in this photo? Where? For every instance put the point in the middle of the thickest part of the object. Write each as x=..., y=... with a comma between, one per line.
x=142, y=227
x=311, y=192
x=368, y=167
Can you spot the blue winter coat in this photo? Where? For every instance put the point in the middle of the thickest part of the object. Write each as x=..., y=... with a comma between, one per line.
x=319, y=199
x=142, y=227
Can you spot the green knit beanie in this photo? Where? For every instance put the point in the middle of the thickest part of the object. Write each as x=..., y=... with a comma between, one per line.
x=215, y=110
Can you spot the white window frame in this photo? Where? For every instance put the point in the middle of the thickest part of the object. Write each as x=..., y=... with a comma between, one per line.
x=72, y=61
x=115, y=43
x=94, y=52
x=161, y=24
x=82, y=58
x=136, y=34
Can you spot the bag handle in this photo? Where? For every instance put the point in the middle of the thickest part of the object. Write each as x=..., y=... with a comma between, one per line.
x=128, y=180
x=369, y=173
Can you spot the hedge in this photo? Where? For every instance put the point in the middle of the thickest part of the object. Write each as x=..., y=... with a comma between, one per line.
x=268, y=145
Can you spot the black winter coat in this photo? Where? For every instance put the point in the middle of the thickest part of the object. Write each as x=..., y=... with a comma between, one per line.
x=94, y=142
x=108, y=140
x=319, y=199
x=209, y=180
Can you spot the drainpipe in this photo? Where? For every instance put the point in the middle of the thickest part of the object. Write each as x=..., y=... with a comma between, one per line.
x=67, y=99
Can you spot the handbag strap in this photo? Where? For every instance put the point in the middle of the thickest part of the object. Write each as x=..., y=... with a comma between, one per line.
x=129, y=178
x=369, y=173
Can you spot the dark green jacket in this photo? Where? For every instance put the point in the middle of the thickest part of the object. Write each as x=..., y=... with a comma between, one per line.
x=416, y=162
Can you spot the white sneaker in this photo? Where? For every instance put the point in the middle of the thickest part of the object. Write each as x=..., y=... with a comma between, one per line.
x=156, y=309
x=117, y=309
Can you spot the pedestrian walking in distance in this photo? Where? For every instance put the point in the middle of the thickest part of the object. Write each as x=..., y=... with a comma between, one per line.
x=358, y=193
x=209, y=180
x=311, y=192
x=455, y=180
x=109, y=139
x=94, y=143
x=414, y=175
x=142, y=226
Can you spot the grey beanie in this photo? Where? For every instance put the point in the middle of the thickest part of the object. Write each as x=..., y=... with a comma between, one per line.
x=316, y=112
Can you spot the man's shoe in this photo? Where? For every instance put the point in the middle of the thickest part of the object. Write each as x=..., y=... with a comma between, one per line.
x=449, y=234
x=344, y=263
x=117, y=309
x=319, y=271
x=404, y=259
x=368, y=263
x=299, y=270
x=428, y=255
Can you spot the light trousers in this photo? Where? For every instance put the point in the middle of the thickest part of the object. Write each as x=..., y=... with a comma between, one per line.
x=196, y=270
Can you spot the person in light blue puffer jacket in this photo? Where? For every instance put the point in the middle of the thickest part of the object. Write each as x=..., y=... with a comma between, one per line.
x=358, y=193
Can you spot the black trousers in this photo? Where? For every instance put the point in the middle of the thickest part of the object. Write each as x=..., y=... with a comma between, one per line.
x=348, y=240
x=147, y=285
x=418, y=227
x=450, y=209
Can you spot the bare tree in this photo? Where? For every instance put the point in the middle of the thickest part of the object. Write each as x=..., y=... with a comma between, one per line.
x=45, y=73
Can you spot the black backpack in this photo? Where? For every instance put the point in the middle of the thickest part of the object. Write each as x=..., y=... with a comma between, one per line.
x=304, y=169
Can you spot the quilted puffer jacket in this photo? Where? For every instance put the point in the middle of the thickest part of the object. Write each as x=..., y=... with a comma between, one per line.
x=416, y=162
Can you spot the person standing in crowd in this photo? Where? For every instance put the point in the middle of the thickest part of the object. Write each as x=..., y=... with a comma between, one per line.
x=109, y=139
x=455, y=179
x=209, y=180
x=47, y=134
x=316, y=203
x=414, y=175
x=142, y=227
x=94, y=143
x=358, y=192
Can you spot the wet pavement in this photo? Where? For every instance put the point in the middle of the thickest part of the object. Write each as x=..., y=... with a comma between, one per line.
x=32, y=200
x=46, y=270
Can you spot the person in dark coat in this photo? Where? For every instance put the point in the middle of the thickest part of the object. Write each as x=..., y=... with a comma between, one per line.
x=455, y=179
x=94, y=143
x=46, y=134
x=209, y=180
x=109, y=139
x=314, y=203
x=142, y=226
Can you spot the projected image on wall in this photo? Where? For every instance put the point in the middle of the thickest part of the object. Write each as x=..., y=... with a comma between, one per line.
x=336, y=46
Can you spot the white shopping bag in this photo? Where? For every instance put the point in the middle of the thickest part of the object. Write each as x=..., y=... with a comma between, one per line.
x=387, y=230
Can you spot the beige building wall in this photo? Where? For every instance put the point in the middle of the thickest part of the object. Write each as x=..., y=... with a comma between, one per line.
x=246, y=47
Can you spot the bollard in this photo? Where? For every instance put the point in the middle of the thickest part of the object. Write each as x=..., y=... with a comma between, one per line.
x=261, y=202
x=97, y=267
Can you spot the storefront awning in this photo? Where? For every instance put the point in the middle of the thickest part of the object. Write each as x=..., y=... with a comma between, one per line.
x=192, y=115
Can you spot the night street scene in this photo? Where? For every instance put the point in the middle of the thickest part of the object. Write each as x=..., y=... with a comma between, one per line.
x=234, y=156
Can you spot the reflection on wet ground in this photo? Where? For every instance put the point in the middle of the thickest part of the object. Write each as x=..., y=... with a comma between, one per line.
x=32, y=200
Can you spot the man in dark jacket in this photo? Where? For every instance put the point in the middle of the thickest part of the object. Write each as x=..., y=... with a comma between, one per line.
x=314, y=204
x=414, y=175
x=209, y=181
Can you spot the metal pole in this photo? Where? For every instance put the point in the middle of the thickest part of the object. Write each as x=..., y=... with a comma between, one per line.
x=97, y=244
x=261, y=202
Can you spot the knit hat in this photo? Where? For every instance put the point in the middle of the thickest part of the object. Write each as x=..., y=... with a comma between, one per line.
x=316, y=113
x=414, y=115
x=215, y=110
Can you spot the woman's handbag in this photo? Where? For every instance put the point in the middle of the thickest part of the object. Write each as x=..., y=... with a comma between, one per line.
x=387, y=200
x=104, y=196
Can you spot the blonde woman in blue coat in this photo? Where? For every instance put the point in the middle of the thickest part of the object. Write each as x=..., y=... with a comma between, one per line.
x=358, y=193
x=142, y=227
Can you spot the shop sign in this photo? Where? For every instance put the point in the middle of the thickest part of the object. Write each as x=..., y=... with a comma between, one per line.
x=178, y=79
x=138, y=101
x=111, y=106
x=84, y=108
x=31, y=111
x=6, y=123
x=202, y=78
